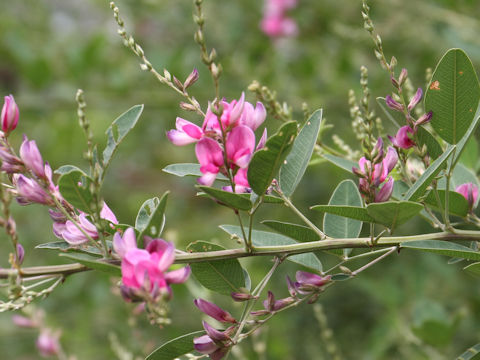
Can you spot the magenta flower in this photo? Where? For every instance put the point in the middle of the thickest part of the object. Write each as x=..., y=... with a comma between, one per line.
x=210, y=156
x=402, y=139
x=231, y=113
x=415, y=99
x=275, y=22
x=469, y=192
x=214, y=311
x=186, y=133
x=145, y=269
x=29, y=191
x=216, y=344
x=47, y=344
x=9, y=115
x=253, y=117
x=423, y=119
x=393, y=104
x=240, y=146
x=307, y=282
x=31, y=157
x=72, y=234
x=385, y=191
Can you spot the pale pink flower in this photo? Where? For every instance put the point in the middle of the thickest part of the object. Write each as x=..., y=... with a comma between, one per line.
x=469, y=192
x=186, y=133
x=31, y=157
x=10, y=114
x=47, y=344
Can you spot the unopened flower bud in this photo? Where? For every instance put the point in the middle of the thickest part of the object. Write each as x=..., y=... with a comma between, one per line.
x=392, y=104
x=9, y=115
x=191, y=79
x=178, y=84
x=403, y=76
x=47, y=344
x=214, y=311
x=239, y=297
x=20, y=253
x=187, y=106
x=23, y=322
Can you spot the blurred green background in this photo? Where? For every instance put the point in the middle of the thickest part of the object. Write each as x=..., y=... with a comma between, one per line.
x=50, y=49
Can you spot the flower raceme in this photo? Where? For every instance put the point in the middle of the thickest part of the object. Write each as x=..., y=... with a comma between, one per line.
x=226, y=140
x=144, y=270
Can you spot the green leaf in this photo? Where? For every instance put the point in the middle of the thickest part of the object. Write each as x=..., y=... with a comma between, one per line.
x=94, y=263
x=188, y=169
x=420, y=186
x=393, y=213
x=221, y=276
x=400, y=188
x=352, y=212
x=230, y=199
x=446, y=248
x=151, y=217
x=120, y=127
x=463, y=143
x=266, y=162
x=473, y=269
x=424, y=137
x=294, y=231
x=265, y=238
x=386, y=111
x=341, y=277
x=453, y=95
x=472, y=353
x=66, y=247
x=457, y=204
x=74, y=186
x=65, y=169
x=176, y=347
x=340, y=227
x=297, y=160
x=469, y=157
x=341, y=162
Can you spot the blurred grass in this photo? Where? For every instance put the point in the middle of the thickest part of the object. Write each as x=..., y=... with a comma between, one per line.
x=49, y=49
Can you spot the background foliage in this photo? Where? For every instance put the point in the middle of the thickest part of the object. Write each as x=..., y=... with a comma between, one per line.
x=49, y=49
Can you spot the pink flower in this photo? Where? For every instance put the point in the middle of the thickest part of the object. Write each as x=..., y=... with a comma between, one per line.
x=402, y=139
x=215, y=343
x=307, y=282
x=145, y=269
x=9, y=115
x=253, y=117
x=240, y=146
x=469, y=192
x=186, y=133
x=385, y=192
x=210, y=156
x=214, y=311
x=279, y=26
x=72, y=234
x=232, y=111
x=393, y=104
x=31, y=157
x=29, y=191
x=415, y=99
x=47, y=344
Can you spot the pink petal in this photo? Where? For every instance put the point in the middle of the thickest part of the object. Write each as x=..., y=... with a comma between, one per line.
x=178, y=276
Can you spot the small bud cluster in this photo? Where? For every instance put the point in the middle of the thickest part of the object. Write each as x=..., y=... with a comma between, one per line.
x=280, y=111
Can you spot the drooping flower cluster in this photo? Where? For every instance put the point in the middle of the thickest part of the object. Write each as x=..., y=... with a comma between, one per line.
x=375, y=185
x=144, y=273
x=275, y=22
x=404, y=137
x=215, y=343
x=469, y=192
x=225, y=142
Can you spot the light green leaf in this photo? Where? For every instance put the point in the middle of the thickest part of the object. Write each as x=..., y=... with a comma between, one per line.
x=94, y=263
x=420, y=186
x=151, y=217
x=473, y=269
x=188, y=169
x=345, y=164
x=469, y=157
x=457, y=204
x=446, y=248
x=120, y=127
x=453, y=95
x=393, y=213
x=65, y=169
x=434, y=149
x=221, y=276
x=265, y=238
x=400, y=188
x=297, y=160
x=230, y=199
x=74, y=186
x=463, y=143
x=266, y=162
x=66, y=247
x=472, y=353
x=352, y=212
x=294, y=231
x=176, y=347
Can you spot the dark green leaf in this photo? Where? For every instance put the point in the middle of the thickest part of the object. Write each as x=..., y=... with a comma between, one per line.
x=463, y=143
x=453, y=95
x=393, y=213
x=420, y=186
x=341, y=162
x=233, y=200
x=176, y=347
x=446, y=248
x=425, y=138
x=352, y=212
x=265, y=238
x=469, y=157
x=151, y=217
x=74, y=186
x=120, y=127
x=94, y=263
x=457, y=204
x=294, y=231
x=266, y=162
x=221, y=276
x=297, y=160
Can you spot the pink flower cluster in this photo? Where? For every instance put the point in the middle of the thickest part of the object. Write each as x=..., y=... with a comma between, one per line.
x=374, y=183
x=226, y=140
x=275, y=22
x=144, y=270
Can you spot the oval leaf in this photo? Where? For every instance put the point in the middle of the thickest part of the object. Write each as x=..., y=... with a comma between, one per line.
x=453, y=95
x=294, y=231
x=297, y=160
x=265, y=238
x=446, y=248
x=230, y=199
x=221, y=276
x=457, y=204
x=176, y=347
x=151, y=217
x=473, y=269
x=187, y=169
x=66, y=247
x=345, y=164
x=393, y=213
x=266, y=162
x=424, y=137
x=352, y=212
x=74, y=186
